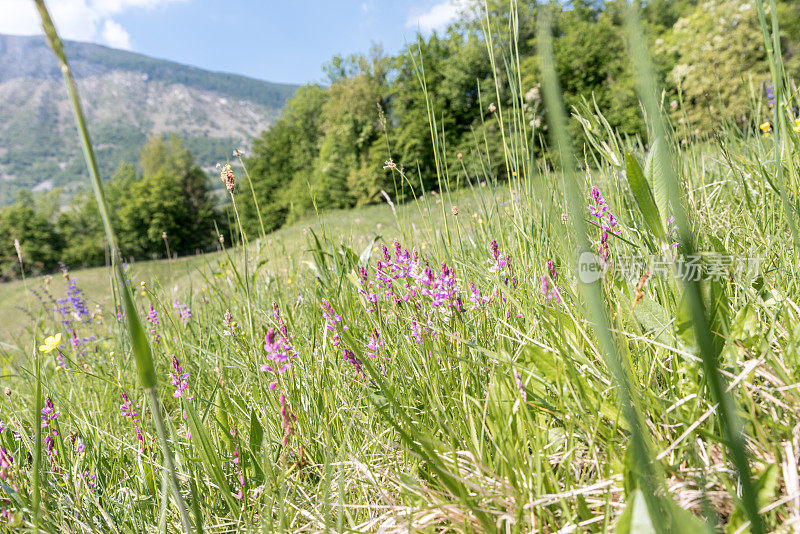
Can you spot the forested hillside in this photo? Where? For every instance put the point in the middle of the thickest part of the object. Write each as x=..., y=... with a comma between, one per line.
x=127, y=97
x=367, y=130
x=332, y=146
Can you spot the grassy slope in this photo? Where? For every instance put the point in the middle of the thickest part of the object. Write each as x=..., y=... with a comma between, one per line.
x=287, y=247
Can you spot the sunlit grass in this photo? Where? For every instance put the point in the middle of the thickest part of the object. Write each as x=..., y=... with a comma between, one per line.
x=463, y=378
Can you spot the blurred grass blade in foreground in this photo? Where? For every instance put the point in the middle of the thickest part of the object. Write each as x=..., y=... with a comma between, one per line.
x=732, y=431
x=139, y=343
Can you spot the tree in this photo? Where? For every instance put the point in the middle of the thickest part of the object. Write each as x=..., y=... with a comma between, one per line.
x=39, y=242
x=82, y=232
x=172, y=197
x=346, y=172
x=718, y=55
x=282, y=161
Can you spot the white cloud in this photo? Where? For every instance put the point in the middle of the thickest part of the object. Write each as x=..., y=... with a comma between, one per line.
x=115, y=35
x=438, y=16
x=81, y=20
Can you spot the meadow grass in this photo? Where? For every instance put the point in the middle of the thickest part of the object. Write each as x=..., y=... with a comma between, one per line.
x=451, y=364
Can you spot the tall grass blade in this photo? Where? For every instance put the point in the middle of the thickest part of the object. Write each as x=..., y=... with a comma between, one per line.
x=731, y=426
x=647, y=471
x=139, y=343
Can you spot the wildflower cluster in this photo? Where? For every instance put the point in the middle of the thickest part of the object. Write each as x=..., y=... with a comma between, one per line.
x=129, y=408
x=475, y=297
x=229, y=324
x=604, y=219
x=278, y=346
x=182, y=311
x=672, y=230
x=180, y=379
x=49, y=416
x=78, y=343
x=227, y=177
x=152, y=318
x=502, y=265
x=7, y=478
x=332, y=322
x=551, y=292
x=366, y=289
x=404, y=278
x=74, y=305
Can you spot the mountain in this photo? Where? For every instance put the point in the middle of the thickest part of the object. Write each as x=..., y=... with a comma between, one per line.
x=126, y=97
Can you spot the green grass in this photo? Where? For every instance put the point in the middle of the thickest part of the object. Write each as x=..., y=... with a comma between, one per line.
x=459, y=382
x=284, y=250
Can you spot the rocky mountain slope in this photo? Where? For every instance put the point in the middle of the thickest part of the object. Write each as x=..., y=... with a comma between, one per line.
x=126, y=97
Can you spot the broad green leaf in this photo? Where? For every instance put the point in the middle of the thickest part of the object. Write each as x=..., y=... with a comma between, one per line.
x=256, y=433
x=715, y=300
x=747, y=325
x=655, y=173
x=643, y=195
x=208, y=455
x=765, y=491
x=635, y=519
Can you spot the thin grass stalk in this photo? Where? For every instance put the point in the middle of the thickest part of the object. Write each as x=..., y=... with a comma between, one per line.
x=253, y=193
x=246, y=268
x=37, y=453
x=141, y=347
x=733, y=432
x=775, y=61
x=438, y=154
x=647, y=471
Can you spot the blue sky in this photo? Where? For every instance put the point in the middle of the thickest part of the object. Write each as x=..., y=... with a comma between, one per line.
x=281, y=41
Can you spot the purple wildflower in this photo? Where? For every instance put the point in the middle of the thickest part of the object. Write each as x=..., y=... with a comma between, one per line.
x=129, y=412
x=520, y=386
x=476, y=298
x=600, y=210
x=49, y=416
x=332, y=322
x=277, y=351
x=183, y=311
x=287, y=337
x=416, y=330
x=229, y=324
x=366, y=289
x=497, y=260
x=6, y=462
x=673, y=230
x=180, y=380
x=376, y=344
x=90, y=480
x=152, y=318
x=353, y=360
x=552, y=293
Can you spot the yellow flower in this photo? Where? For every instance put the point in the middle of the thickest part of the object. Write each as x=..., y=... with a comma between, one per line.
x=51, y=343
x=765, y=127
x=796, y=127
